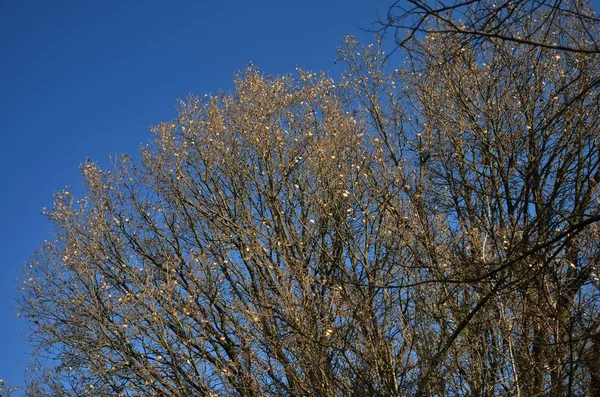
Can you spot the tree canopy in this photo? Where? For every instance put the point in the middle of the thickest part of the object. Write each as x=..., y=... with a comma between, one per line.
x=422, y=228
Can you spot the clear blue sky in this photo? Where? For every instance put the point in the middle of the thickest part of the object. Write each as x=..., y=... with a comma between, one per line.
x=87, y=78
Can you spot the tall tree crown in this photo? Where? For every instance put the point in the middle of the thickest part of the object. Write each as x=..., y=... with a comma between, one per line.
x=425, y=230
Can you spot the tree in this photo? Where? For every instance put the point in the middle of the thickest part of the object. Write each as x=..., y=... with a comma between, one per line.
x=503, y=101
x=215, y=265
x=482, y=20
x=429, y=230
x=6, y=390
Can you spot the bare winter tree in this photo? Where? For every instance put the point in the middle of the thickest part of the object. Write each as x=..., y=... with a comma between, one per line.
x=428, y=230
x=6, y=390
x=497, y=126
x=480, y=20
x=216, y=265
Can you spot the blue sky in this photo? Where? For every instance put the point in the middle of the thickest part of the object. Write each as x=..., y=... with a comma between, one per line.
x=88, y=78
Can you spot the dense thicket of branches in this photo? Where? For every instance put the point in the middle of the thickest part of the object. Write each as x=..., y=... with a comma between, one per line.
x=431, y=230
x=6, y=390
x=549, y=22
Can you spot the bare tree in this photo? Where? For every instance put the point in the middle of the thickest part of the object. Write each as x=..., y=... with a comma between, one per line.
x=215, y=266
x=479, y=20
x=497, y=127
x=6, y=390
x=426, y=230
